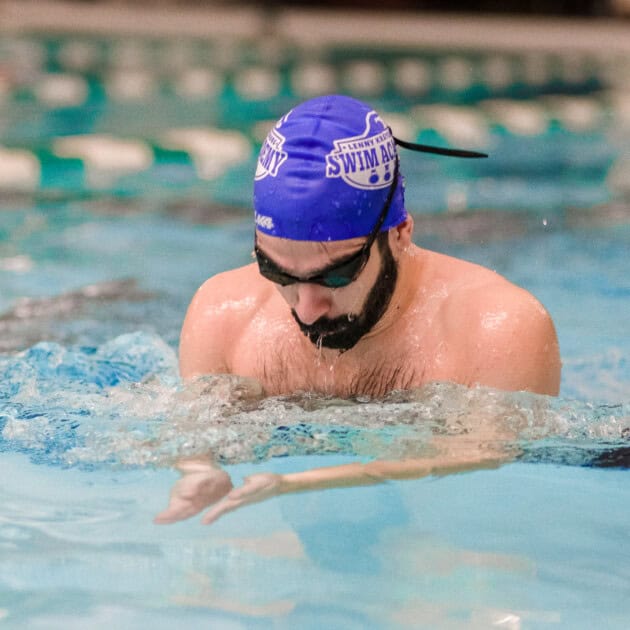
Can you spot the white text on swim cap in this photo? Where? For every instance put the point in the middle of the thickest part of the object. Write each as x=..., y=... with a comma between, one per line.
x=271, y=155
x=265, y=222
x=365, y=161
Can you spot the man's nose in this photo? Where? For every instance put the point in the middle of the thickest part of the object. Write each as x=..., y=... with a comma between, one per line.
x=313, y=301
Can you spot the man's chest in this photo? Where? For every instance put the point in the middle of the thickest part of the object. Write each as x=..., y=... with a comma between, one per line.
x=288, y=362
x=287, y=373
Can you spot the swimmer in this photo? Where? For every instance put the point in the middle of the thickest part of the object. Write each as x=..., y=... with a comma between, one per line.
x=340, y=301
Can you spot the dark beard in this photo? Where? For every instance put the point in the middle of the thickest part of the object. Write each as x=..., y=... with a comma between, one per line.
x=345, y=331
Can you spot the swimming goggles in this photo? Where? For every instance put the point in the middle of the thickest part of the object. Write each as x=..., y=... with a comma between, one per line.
x=341, y=273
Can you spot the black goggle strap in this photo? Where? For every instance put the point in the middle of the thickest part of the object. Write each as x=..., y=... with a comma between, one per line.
x=388, y=201
x=427, y=148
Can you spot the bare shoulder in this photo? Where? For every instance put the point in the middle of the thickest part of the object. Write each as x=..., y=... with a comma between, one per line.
x=219, y=310
x=507, y=335
x=231, y=292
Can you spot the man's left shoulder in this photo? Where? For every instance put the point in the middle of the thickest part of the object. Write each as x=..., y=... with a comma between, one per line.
x=508, y=336
x=497, y=310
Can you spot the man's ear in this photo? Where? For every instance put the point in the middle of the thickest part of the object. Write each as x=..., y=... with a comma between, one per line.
x=402, y=234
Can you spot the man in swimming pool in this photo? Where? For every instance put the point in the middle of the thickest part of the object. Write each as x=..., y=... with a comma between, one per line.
x=340, y=301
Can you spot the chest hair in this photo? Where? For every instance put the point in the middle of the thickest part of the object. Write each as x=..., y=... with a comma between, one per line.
x=285, y=370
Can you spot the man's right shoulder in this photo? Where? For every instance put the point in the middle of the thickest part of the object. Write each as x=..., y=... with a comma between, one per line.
x=231, y=294
x=219, y=312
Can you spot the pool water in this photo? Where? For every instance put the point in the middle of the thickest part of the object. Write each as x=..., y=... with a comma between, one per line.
x=97, y=267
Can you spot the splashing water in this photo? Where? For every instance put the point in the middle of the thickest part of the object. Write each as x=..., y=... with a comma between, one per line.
x=123, y=404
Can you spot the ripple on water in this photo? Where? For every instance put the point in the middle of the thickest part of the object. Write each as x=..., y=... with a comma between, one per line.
x=122, y=404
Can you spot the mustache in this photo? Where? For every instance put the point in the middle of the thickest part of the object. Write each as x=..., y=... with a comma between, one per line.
x=324, y=325
x=339, y=333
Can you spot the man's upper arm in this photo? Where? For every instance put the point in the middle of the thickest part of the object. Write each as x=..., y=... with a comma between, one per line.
x=516, y=347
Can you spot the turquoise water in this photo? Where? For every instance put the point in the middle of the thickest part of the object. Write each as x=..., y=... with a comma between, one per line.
x=97, y=267
x=93, y=417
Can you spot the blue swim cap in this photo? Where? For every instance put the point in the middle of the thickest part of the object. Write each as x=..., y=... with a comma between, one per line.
x=324, y=173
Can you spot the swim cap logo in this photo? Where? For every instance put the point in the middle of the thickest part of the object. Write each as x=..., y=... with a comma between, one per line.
x=265, y=222
x=365, y=161
x=271, y=154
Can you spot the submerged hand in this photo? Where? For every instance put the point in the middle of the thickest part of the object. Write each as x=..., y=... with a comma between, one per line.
x=266, y=485
x=201, y=485
x=254, y=489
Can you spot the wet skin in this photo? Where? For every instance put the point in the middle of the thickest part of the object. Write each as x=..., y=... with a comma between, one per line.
x=446, y=320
